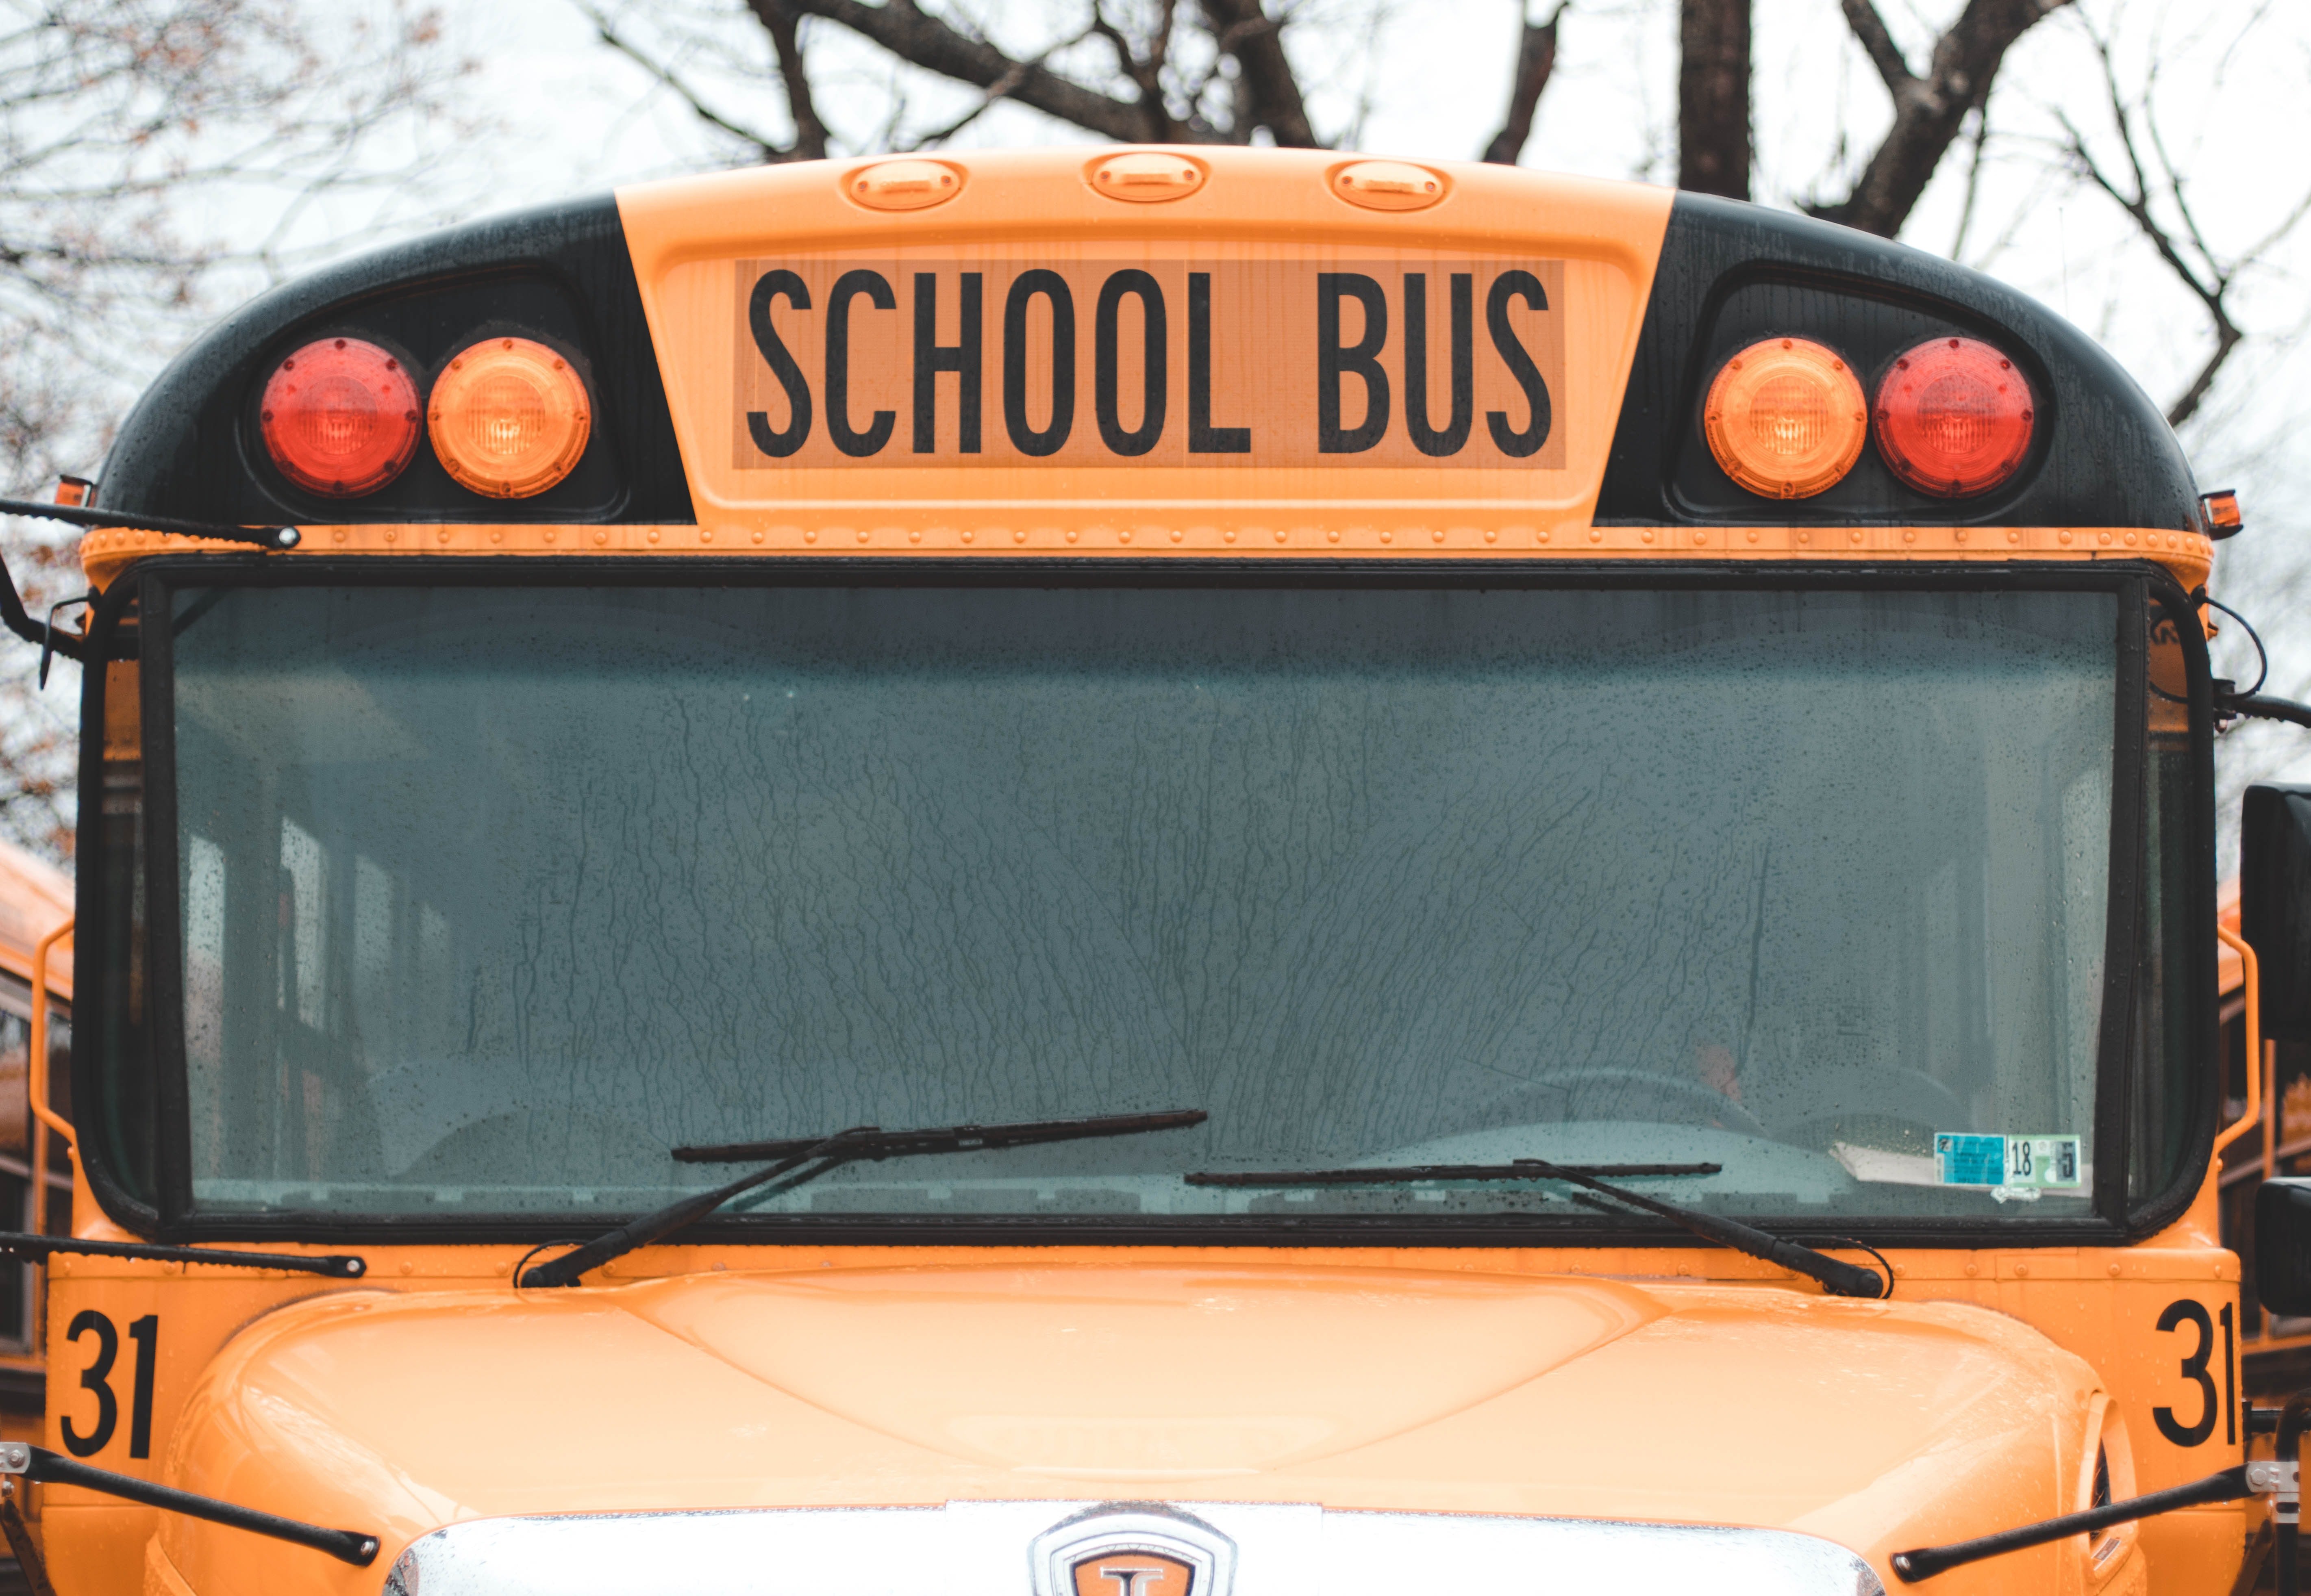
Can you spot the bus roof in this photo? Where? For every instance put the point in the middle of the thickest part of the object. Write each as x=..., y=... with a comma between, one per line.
x=1169, y=353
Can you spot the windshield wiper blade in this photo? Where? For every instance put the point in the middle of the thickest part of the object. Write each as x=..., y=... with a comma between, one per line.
x=828, y=1153
x=1839, y=1278
x=956, y=1139
x=1523, y=1169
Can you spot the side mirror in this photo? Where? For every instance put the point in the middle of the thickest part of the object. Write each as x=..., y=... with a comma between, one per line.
x=2282, y=1245
x=2275, y=904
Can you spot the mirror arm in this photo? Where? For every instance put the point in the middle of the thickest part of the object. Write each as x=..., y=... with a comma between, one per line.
x=16, y=617
x=1922, y=1563
x=38, y=1463
x=2264, y=707
x=93, y=518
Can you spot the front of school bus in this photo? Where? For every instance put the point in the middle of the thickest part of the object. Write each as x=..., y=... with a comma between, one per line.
x=1531, y=862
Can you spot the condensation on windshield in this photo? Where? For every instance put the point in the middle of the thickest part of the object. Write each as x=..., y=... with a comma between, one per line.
x=490, y=897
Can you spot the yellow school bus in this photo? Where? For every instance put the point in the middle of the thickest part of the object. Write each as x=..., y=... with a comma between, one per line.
x=1147, y=873
x=36, y=900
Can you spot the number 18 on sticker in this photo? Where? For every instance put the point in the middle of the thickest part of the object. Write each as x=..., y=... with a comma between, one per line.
x=1963, y=1158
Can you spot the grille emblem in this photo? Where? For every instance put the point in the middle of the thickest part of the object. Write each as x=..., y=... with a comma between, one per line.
x=1132, y=1548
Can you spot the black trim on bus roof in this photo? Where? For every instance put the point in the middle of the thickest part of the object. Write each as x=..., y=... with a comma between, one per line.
x=562, y=274
x=2143, y=588
x=1731, y=273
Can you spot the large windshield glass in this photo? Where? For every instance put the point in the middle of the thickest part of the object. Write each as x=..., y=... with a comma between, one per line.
x=492, y=897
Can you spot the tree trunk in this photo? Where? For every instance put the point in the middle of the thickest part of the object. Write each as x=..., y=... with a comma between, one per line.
x=1712, y=98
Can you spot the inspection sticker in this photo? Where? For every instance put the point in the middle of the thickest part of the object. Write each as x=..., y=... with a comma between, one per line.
x=1963, y=1158
x=1968, y=1160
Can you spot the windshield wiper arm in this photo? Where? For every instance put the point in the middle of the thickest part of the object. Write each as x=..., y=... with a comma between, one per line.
x=828, y=1153
x=953, y=1138
x=356, y=1547
x=1839, y=1278
x=34, y=1249
x=1408, y=1173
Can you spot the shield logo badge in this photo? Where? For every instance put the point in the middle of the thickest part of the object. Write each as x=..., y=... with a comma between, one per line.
x=1132, y=1548
x=1133, y=1573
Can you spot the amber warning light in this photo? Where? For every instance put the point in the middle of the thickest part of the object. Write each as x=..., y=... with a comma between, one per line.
x=509, y=418
x=339, y=417
x=1785, y=418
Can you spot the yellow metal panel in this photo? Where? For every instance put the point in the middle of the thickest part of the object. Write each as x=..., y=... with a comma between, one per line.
x=1673, y=1383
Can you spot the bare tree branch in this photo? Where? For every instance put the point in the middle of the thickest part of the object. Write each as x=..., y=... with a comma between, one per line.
x=1869, y=31
x=2208, y=276
x=121, y=122
x=1199, y=92
x=665, y=75
x=1256, y=41
x=1265, y=92
x=923, y=40
x=1145, y=71
x=1536, y=59
x=1977, y=144
x=1929, y=110
x=997, y=93
x=780, y=22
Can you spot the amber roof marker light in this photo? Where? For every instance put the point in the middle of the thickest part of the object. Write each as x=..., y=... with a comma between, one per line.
x=2223, y=517
x=1388, y=185
x=1146, y=177
x=903, y=185
x=339, y=417
x=1954, y=417
x=1785, y=418
x=509, y=417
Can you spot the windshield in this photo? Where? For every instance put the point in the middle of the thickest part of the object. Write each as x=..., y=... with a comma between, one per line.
x=490, y=897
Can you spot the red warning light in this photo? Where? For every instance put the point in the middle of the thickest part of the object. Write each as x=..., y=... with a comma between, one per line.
x=340, y=417
x=1954, y=417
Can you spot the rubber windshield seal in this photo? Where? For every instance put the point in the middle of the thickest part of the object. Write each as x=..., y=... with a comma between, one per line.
x=110, y=637
x=157, y=581
x=2166, y=603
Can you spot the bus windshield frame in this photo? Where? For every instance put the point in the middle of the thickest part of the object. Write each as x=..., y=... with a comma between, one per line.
x=130, y=1070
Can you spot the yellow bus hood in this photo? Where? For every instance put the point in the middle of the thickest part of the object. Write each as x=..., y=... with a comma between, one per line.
x=1876, y=1425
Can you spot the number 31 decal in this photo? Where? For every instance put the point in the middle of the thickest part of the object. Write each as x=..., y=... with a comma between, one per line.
x=146, y=1333
x=2178, y=1314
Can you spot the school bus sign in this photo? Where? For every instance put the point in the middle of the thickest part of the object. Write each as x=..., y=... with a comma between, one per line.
x=1143, y=360
x=1021, y=372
